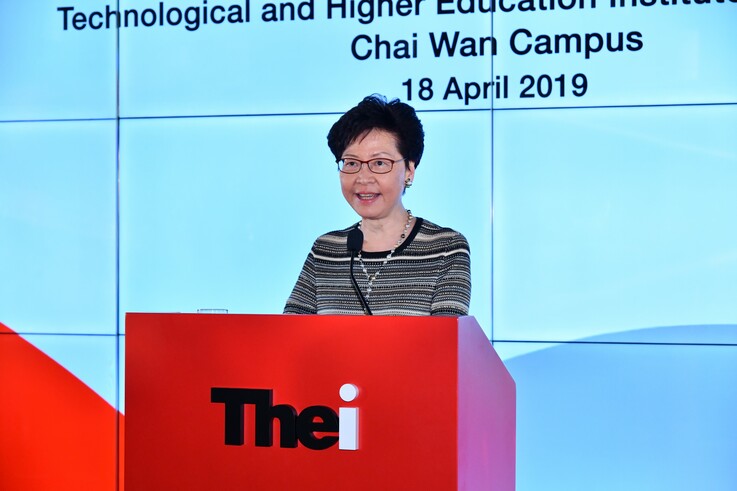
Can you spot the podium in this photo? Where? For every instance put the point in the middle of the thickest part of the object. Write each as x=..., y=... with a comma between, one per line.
x=289, y=402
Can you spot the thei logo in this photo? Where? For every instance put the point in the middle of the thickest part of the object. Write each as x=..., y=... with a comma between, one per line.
x=341, y=427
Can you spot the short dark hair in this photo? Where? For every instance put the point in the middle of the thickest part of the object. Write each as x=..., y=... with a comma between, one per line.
x=374, y=112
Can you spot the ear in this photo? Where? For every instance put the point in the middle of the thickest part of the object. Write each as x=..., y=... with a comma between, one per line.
x=409, y=171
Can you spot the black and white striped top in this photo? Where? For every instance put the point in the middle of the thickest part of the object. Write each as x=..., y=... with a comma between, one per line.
x=428, y=274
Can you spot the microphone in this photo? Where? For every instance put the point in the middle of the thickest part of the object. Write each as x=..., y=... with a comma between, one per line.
x=355, y=243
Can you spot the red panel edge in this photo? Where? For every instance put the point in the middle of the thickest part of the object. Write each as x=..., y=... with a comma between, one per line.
x=486, y=414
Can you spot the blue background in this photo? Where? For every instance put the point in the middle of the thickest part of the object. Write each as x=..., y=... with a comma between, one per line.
x=158, y=169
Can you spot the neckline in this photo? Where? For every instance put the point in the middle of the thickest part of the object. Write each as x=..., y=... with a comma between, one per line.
x=402, y=246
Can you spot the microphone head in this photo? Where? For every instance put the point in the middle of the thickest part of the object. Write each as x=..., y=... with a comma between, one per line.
x=355, y=240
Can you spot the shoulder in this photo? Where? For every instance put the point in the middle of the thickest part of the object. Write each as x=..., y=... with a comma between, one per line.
x=434, y=236
x=332, y=242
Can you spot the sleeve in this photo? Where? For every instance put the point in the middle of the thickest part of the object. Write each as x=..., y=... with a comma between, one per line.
x=452, y=294
x=303, y=299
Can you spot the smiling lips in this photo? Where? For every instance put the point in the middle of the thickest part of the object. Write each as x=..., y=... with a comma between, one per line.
x=367, y=196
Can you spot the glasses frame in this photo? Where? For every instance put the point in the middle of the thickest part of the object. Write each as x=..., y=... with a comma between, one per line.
x=368, y=164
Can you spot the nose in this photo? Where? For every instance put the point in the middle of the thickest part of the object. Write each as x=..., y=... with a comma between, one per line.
x=364, y=173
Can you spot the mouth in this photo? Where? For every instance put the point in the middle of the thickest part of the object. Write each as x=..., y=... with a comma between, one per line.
x=367, y=196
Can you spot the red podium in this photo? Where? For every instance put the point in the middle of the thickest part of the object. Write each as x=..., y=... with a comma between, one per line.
x=286, y=402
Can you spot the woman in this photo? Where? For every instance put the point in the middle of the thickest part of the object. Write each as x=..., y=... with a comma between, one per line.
x=406, y=265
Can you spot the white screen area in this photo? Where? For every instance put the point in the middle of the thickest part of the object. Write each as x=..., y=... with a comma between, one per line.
x=213, y=218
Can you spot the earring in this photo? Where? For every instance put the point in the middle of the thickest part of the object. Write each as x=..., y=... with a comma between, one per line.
x=408, y=183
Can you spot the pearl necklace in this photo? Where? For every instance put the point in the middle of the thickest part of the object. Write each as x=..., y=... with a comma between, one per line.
x=372, y=278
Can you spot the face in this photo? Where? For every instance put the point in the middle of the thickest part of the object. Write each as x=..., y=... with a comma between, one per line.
x=376, y=196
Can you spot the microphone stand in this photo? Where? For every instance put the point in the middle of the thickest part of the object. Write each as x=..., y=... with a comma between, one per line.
x=354, y=243
x=364, y=304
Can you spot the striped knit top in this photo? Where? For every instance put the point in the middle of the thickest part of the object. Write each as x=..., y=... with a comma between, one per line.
x=428, y=274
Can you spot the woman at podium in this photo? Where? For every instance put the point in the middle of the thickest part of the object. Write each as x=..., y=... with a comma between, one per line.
x=398, y=264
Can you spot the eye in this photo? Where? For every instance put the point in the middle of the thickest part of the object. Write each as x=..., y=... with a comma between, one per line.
x=380, y=163
x=351, y=164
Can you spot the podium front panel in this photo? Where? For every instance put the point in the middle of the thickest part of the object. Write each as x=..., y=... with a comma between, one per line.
x=181, y=367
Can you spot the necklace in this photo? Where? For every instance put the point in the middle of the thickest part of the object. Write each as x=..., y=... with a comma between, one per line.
x=372, y=277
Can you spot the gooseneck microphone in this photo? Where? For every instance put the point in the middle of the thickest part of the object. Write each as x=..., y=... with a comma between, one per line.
x=355, y=243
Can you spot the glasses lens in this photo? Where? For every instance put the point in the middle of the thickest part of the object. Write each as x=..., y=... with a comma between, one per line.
x=380, y=166
x=349, y=166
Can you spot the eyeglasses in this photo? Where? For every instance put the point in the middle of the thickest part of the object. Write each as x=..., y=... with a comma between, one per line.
x=377, y=166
